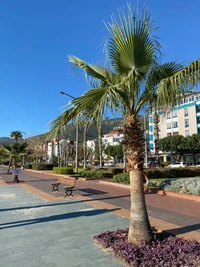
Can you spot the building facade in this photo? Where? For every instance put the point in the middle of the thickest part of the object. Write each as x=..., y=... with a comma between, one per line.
x=183, y=119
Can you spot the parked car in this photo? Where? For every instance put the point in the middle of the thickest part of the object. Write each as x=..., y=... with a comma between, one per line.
x=109, y=164
x=178, y=165
x=153, y=164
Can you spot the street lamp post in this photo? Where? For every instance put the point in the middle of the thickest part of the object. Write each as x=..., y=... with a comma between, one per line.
x=23, y=160
x=76, y=160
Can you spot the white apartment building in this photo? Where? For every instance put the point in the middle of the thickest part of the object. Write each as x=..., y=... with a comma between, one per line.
x=114, y=137
x=52, y=147
x=183, y=119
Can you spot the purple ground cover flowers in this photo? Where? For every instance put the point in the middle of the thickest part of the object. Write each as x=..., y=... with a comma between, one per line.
x=161, y=252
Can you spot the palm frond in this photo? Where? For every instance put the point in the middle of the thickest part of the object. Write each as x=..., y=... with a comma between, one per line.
x=131, y=47
x=179, y=83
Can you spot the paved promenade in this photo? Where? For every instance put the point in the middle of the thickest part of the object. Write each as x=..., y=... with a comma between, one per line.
x=40, y=228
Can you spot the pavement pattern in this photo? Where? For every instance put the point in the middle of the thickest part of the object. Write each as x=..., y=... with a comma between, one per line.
x=40, y=228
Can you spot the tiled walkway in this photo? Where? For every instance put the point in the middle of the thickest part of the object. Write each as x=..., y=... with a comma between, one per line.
x=93, y=209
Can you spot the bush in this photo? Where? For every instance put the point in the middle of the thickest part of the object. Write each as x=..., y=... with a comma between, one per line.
x=96, y=174
x=28, y=166
x=122, y=178
x=189, y=186
x=172, y=172
x=116, y=170
x=63, y=170
x=164, y=163
x=42, y=166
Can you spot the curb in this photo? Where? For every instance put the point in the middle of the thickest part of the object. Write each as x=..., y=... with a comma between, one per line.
x=157, y=191
x=147, y=190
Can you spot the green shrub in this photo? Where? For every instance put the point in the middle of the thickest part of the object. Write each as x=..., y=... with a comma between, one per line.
x=164, y=163
x=42, y=166
x=96, y=174
x=63, y=170
x=28, y=166
x=115, y=171
x=122, y=178
x=172, y=172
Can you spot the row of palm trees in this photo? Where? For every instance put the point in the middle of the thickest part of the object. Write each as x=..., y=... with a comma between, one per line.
x=132, y=79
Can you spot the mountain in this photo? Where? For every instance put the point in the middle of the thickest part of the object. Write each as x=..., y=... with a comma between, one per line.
x=6, y=140
x=69, y=131
x=107, y=126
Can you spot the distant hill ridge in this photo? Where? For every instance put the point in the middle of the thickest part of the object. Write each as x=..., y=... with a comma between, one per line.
x=6, y=140
x=69, y=131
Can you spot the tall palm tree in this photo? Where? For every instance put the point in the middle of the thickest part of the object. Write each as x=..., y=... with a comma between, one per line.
x=16, y=135
x=133, y=54
x=15, y=150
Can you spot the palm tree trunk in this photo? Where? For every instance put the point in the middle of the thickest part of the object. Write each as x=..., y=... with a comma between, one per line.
x=10, y=163
x=100, y=144
x=139, y=229
x=85, y=145
x=58, y=151
x=156, y=137
x=52, y=152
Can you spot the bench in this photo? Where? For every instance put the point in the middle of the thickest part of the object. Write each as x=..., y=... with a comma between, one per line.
x=70, y=183
x=55, y=187
x=70, y=186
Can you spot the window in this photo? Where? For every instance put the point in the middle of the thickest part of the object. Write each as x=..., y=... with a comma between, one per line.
x=169, y=125
x=169, y=134
x=186, y=123
x=168, y=115
x=185, y=112
x=187, y=133
x=174, y=114
x=175, y=124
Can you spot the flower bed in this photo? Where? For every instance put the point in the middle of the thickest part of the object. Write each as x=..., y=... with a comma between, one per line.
x=161, y=252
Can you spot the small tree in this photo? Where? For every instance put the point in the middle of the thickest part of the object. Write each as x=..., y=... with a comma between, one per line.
x=15, y=150
x=114, y=151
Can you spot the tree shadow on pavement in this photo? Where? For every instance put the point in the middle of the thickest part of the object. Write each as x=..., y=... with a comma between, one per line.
x=184, y=229
x=60, y=203
x=65, y=216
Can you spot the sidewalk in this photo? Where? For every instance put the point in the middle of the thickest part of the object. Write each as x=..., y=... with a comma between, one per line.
x=37, y=233
x=95, y=207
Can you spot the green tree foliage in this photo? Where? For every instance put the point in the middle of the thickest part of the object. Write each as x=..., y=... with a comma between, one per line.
x=14, y=151
x=114, y=151
x=3, y=155
x=16, y=135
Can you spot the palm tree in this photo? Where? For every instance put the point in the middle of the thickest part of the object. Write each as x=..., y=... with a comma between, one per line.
x=16, y=135
x=133, y=54
x=15, y=150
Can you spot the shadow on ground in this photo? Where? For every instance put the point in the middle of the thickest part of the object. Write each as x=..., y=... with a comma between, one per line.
x=64, y=216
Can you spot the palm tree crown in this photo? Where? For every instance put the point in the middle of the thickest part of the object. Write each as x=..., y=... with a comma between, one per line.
x=16, y=135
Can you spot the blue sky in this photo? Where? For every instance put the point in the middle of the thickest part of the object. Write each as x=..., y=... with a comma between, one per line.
x=38, y=35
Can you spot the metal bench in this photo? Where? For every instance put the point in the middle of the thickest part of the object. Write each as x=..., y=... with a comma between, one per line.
x=70, y=186
x=55, y=187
